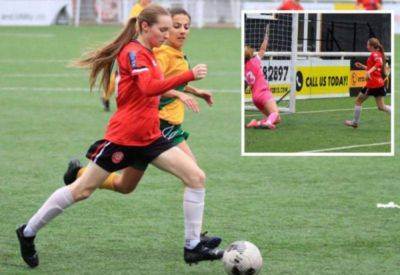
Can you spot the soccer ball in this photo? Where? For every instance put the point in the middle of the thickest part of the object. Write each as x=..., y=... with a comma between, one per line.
x=242, y=257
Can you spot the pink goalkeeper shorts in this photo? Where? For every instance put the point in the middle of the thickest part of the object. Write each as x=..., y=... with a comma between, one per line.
x=261, y=99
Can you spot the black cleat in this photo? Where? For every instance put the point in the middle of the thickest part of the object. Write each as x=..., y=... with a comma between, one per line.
x=201, y=253
x=209, y=241
x=27, y=246
x=72, y=171
x=106, y=104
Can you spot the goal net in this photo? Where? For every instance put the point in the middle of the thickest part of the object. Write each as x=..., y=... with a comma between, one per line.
x=313, y=55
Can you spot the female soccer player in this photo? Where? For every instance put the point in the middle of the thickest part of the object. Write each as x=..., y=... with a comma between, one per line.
x=375, y=84
x=172, y=61
x=261, y=94
x=133, y=134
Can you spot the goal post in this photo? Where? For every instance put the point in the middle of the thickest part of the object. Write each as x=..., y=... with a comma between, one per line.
x=292, y=94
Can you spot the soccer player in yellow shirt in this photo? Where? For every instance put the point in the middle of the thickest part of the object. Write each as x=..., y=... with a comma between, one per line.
x=172, y=61
x=138, y=7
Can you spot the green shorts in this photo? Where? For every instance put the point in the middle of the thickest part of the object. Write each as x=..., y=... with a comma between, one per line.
x=174, y=133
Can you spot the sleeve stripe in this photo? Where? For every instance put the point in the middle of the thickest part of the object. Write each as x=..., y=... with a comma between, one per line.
x=137, y=71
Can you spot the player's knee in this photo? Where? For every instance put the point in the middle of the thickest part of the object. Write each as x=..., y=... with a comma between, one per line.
x=126, y=189
x=83, y=194
x=197, y=179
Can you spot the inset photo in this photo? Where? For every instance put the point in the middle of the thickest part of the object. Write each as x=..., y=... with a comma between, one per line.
x=317, y=83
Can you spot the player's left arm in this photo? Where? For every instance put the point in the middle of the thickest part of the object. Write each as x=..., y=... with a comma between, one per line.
x=370, y=71
x=263, y=48
x=264, y=44
x=204, y=94
x=189, y=101
x=376, y=66
x=379, y=5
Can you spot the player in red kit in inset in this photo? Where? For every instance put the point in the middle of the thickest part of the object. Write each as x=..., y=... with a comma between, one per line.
x=375, y=84
x=290, y=5
x=369, y=4
x=133, y=134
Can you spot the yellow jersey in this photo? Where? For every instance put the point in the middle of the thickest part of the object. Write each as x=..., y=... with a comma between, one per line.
x=136, y=9
x=172, y=62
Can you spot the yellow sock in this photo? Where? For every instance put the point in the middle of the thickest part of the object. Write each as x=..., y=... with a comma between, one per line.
x=80, y=172
x=107, y=184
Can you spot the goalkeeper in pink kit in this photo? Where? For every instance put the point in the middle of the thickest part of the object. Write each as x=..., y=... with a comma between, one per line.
x=261, y=93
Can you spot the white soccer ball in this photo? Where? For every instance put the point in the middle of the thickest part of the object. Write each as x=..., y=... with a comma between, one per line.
x=242, y=257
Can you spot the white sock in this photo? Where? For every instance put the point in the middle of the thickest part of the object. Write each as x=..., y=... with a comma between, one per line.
x=55, y=204
x=193, y=208
x=387, y=108
x=357, y=114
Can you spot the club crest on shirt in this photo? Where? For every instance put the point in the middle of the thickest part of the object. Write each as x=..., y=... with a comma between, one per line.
x=132, y=59
x=117, y=157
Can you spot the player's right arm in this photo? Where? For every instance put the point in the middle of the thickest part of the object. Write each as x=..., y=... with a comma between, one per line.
x=150, y=86
x=360, y=65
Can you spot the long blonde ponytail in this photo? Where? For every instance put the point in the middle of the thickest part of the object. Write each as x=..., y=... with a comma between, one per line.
x=102, y=60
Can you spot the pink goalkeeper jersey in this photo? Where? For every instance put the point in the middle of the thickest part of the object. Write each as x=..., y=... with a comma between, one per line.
x=255, y=77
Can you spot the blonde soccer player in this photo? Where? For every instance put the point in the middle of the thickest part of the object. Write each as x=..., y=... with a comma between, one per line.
x=261, y=93
x=133, y=134
x=375, y=85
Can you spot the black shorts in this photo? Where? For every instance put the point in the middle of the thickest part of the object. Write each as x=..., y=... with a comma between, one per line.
x=381, y=91
x=113, y=157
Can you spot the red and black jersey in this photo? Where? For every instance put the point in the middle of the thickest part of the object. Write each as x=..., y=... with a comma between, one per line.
x=290, y=5
x=376, y=80
x=370, y=4
x=138, y=86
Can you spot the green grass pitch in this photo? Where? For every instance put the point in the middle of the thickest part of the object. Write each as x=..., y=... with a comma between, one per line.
x=308, y=215
x=318, y=126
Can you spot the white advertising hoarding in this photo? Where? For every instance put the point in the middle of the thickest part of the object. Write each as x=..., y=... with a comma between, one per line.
x=30, y=13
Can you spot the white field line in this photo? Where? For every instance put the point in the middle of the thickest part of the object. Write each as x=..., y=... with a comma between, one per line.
x=27, y=35
x=232, y=73
x=347, y=147
x=319, y=111
x=44, y=61
x=67, y=75
x=30, y=61
x=55, y=75
x=83, y=89
x=46, y=89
